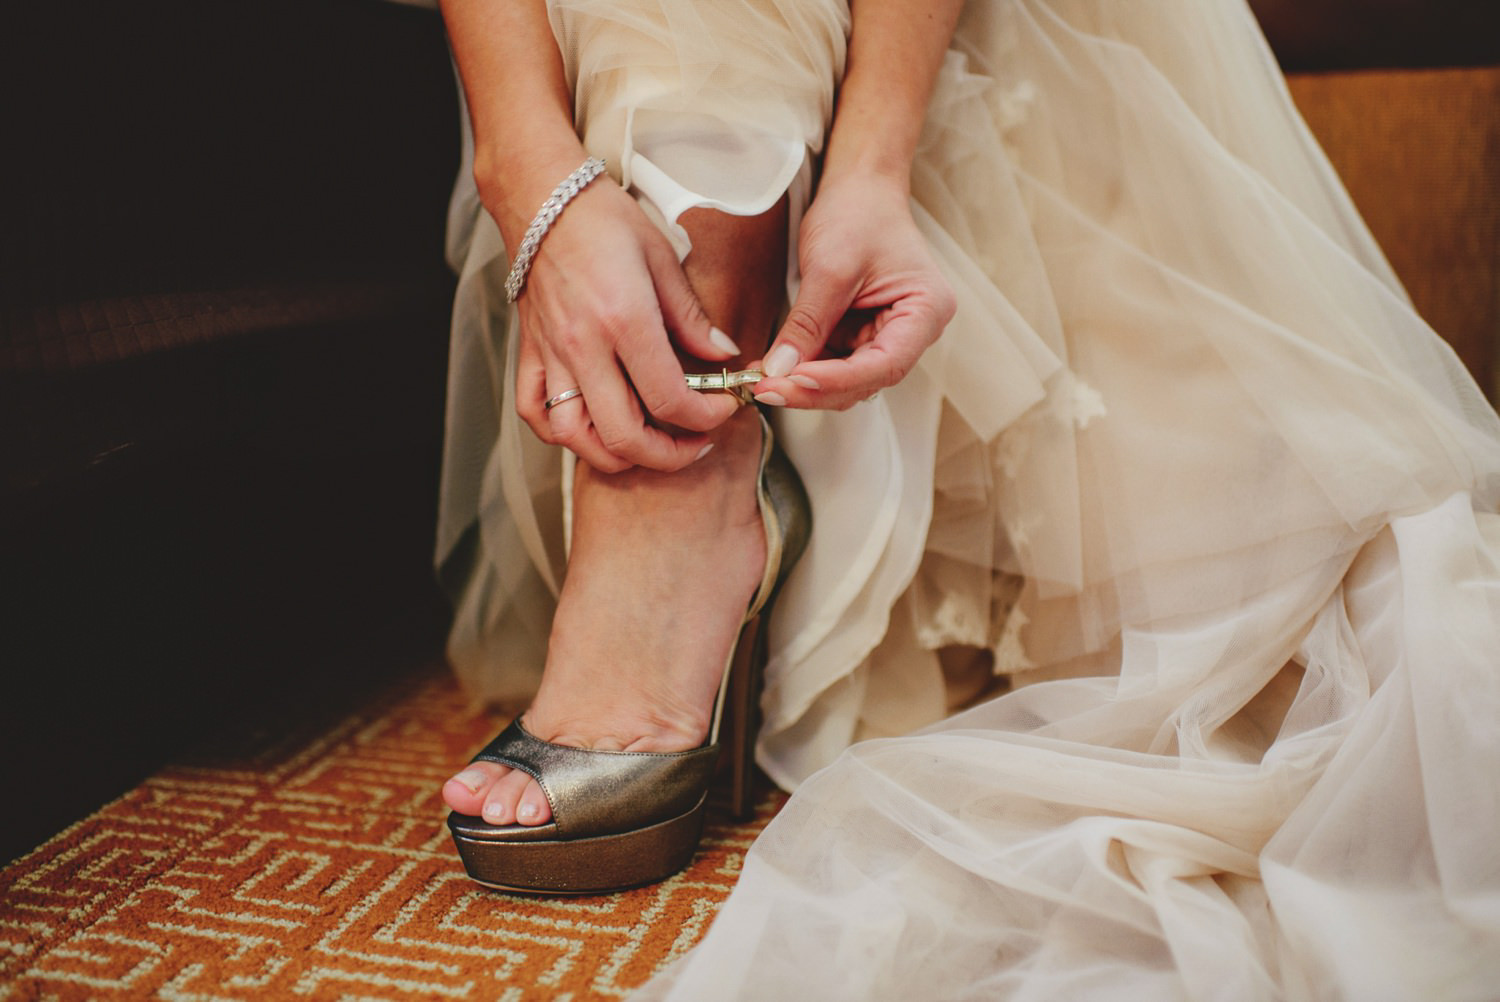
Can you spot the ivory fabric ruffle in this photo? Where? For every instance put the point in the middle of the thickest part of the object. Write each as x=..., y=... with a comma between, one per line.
x=1186, y=462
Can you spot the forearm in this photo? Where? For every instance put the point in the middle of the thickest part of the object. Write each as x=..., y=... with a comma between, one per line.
x=895, y=50
x=519, y=105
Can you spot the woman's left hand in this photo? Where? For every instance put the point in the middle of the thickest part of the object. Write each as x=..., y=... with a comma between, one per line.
x=872, y=299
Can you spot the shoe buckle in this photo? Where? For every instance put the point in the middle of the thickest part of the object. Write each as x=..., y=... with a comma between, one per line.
x=724, y=381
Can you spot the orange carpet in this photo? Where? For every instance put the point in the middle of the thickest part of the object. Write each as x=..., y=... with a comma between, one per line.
x=315, y=864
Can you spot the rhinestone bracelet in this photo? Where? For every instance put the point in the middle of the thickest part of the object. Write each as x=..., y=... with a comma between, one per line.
x=545, y=217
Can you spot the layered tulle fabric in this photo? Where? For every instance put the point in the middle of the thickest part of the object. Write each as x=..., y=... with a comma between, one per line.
x=1185, y=461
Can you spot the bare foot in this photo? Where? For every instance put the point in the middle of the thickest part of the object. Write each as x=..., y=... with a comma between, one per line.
x=662, y=569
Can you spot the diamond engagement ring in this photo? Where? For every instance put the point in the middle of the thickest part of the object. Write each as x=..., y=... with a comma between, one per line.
x=562, y=398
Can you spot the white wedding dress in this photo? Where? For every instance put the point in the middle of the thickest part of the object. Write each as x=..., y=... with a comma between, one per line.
x=1186, y=461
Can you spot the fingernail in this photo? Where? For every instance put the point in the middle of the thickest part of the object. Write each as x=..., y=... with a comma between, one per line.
x=771, y=398
x=528, y=811
x=806, y=382
x=493, y=813
x=783, y=359
x=472, y=779
x=722, y=341
x=704, y=451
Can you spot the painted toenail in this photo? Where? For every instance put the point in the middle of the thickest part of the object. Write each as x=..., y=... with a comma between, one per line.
x=472, y=779
x=493, y=813
x=528, y=812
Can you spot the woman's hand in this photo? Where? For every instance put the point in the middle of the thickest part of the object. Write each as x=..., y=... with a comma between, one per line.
x=605, y=287
x=603, y=293
x=871, y=300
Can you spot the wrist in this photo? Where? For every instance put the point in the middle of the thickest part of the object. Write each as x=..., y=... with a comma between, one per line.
x=870, y=169
x=867, y=166
x=872, y=139
x=895, y=52
x=513, y=184
x=553, y=207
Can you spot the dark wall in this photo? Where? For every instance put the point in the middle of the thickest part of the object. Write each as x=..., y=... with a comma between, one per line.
x=223, y=332
x=1312, y=35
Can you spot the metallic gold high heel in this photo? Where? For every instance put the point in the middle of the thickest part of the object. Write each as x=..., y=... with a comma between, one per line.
x=624, y=819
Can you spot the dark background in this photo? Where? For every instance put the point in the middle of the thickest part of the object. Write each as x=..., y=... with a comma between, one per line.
x=223, y=335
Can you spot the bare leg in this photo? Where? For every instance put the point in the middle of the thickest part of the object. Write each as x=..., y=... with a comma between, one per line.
x=645, y=624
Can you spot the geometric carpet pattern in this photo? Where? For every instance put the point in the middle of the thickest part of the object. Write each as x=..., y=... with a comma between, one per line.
x=314, y=864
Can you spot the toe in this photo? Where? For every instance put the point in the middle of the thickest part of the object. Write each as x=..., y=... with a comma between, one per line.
x=501, y=802
x=466, y=792
x=533, y=808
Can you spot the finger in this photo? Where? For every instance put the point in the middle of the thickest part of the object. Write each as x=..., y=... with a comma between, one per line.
x=531, y=389
x=841, y=383
x=578, y=434
x=656, y=374
x=838, y=383
x=624, y=433
x=569, y=423
x=541, y=377
x=825, y=296
x=605, y=425
x=681, y=311
x=611, y=432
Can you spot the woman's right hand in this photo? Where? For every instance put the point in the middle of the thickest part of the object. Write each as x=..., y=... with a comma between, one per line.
x=603, y=303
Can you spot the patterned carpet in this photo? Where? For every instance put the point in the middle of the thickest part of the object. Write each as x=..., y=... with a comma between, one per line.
x=314, y=864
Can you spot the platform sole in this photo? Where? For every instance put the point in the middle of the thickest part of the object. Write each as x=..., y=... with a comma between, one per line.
x=598, y=865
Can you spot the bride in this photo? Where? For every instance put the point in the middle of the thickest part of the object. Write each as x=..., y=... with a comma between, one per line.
x=1184, y=468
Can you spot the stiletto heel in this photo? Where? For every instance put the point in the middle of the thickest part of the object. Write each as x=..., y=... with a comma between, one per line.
x=743, y=721
x=623, y=819
x=786, y=515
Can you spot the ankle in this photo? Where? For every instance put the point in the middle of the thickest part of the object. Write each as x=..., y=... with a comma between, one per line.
x=728, y=468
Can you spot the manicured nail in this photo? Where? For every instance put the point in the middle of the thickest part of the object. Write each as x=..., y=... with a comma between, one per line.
x=722, y=341
x=771, y=399
x=704, y=451
x=806, y=382
x=472, y=779
x=783, y=359
x=528, y=811
x=493, y=813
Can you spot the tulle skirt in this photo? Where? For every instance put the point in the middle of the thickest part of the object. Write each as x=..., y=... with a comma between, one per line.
x=1186, y=463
